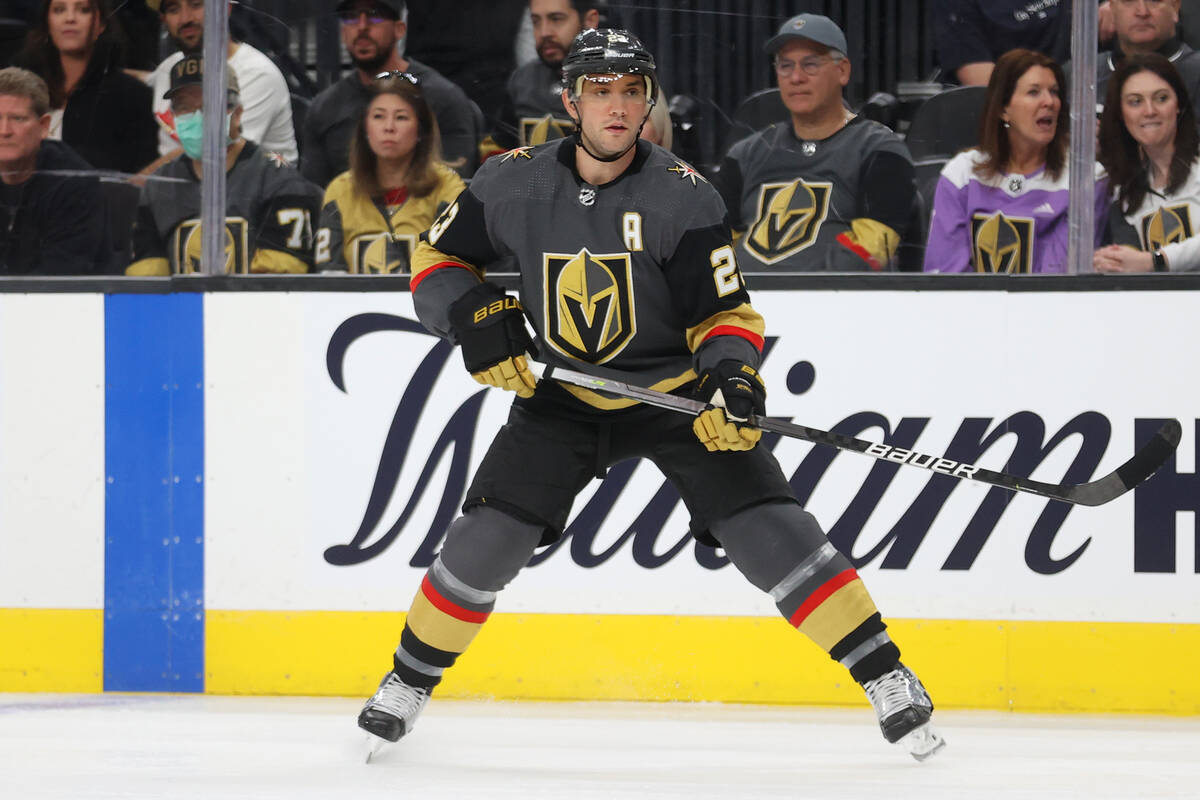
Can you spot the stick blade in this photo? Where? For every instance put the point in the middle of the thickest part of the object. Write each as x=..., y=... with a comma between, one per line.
x=1144, y=463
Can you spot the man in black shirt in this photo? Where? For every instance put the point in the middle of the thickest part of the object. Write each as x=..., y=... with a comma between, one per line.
x=51, y=218
x=969, y=35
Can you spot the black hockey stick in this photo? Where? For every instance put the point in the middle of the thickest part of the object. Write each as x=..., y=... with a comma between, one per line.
x=1143, y=464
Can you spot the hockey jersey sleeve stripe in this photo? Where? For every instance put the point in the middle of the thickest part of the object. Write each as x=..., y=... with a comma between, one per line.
x=425, y=272
x=741, y=321
x=149, y=267
x=848, y=240
x=277, y=262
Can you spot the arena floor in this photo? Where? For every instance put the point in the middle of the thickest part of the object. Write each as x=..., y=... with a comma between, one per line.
x=177, y=746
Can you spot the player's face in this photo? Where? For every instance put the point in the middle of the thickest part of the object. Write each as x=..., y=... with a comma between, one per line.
x=1032, y=112
x=1145, y=23
x=184, y=21
x=1150, y=109
x=612, y=108
x=555, y=25
x=810, y=80
x=74, y=25
x=370, y=35
x=392, y=127
x=21, y=132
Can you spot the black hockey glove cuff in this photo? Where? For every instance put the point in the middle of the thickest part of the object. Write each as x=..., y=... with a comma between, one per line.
x=733, y=391
x=491, y=331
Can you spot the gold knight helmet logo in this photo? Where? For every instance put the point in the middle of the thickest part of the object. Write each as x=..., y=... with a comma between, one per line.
x=1002, y=244
x=188, y=239
x=589, y=304
x=1166, y=225
x=788, y=220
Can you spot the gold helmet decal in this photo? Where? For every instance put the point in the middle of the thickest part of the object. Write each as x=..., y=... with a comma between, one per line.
x=187, y=245
x=589, y=304
x=1002, y=244
x=788, y=220
x=1166, y=225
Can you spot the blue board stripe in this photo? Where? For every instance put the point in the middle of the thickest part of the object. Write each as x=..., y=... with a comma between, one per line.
x=154, y=499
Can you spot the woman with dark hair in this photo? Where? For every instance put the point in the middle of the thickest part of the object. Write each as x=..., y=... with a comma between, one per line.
x=96, y=108
x=1002, y=205
x=1149, y=145
x=395, y=187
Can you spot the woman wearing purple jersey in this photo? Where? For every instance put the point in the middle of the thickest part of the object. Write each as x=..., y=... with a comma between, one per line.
x=1002, y=206
x=1149, y=145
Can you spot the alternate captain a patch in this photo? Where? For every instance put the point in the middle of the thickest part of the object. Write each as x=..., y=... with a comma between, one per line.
x=1001, y=243
x=1166, y=225
x=788, y=219
x=589, y=304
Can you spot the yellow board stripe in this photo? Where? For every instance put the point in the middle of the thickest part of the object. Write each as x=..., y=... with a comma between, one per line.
x=1023, y=666
x=51, y=650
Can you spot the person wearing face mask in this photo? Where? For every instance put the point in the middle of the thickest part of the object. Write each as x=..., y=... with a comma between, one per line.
x=395, y=188
x=1002, y=205
x=1151, y=149
x=269, y=206
x=101, y=112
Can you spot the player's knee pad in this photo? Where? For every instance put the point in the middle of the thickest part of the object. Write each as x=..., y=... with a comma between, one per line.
x=767, y=541
x=486, y=548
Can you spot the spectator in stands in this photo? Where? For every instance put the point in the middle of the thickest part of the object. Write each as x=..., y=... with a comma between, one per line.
x=970, y=35
x=103, y=113
x=1002, y=206
x=828, y=190
x=395, y=188
x=536, y=113
x=371, y=30
x=50, y=224
x=269, y=206
x=659, y=127
x=1150, y=146
x=1147, y=26
x=267, y=103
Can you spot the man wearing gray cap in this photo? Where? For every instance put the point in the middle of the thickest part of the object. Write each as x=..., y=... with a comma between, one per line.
x=830, y=191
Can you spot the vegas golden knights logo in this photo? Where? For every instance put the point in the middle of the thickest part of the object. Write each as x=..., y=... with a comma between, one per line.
x=186, y=243
x=1166, y=225
x=1002, y=244
x=589, y=304
x=539, y=130
x=382, y=254
x=788, y=220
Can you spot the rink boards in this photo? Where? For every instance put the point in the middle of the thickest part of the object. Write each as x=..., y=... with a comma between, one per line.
x=239, y=493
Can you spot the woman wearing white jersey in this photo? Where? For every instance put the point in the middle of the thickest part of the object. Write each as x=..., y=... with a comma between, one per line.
x=1149, y=145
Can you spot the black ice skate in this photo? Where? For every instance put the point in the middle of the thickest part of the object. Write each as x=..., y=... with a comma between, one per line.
x=904, y=710
x=391, y=712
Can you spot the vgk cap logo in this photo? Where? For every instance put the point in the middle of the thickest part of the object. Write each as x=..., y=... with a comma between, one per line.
x=589, y=304
x=1166, y=225
x=1002, y=244
x=788, y=220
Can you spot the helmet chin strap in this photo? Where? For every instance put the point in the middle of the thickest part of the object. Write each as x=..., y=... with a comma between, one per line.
x=578, y=136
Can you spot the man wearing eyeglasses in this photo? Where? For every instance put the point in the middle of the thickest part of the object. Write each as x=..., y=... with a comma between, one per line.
x=266, y=101
x=829, y=190
x=373, y=32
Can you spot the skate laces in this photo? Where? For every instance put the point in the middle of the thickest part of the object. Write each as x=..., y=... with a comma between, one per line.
x=895, y=691
x=397, y=698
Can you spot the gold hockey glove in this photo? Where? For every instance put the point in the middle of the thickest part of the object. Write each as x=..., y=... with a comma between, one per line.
x=491, y=331
x=733, y=391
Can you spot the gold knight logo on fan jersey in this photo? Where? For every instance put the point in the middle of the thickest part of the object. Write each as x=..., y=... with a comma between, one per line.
x=186, y=243
x=1166, y=225
x=382, y=253
x=788, y=219
x=1002, y=244
x=539, y=130
x=589, y=304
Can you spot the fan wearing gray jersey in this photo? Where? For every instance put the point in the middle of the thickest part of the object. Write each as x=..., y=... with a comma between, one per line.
x=830, y=190
x=626, y=267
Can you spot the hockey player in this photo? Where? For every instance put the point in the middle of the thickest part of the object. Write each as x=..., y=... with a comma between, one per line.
x=625, y=262
x=269, y=206
x=826, y=190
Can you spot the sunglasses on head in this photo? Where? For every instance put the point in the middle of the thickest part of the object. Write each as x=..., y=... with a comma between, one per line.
x=394, y=74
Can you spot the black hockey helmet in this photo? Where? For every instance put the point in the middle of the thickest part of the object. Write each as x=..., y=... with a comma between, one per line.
x=608, y=51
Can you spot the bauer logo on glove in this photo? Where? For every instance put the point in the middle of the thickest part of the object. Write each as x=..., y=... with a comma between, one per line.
x=490, y=328
x=734, y=391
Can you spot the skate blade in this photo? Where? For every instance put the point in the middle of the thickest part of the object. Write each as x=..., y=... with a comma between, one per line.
x=923, y=742
x=374, y=745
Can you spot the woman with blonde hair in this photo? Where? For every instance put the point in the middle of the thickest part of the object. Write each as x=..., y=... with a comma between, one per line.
x=396, y=186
